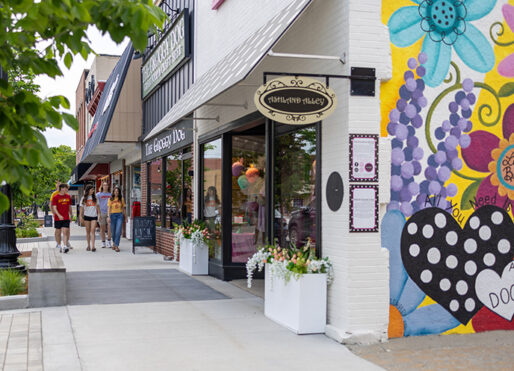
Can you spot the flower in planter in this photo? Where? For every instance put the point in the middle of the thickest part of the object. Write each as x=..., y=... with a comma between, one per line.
x=289, y=262
x=197, y=232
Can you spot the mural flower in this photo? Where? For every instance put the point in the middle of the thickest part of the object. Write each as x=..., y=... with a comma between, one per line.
x=405, y=318
x=445, y=24
x=490, y=154
x=506, y=66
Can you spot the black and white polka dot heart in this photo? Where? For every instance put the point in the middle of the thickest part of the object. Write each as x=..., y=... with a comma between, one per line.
x=445, y=260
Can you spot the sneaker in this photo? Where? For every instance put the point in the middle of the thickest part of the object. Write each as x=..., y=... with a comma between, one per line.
x=109, y=244
x=60, y=248
x=69, y=246
x=66, y=250
x=57, y=246
x=103, y=244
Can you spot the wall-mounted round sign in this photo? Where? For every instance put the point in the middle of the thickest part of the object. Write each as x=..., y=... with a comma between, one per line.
x=295, y=100
x=335, y=191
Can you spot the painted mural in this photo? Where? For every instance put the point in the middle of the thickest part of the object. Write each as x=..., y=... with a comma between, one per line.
x=449, y=110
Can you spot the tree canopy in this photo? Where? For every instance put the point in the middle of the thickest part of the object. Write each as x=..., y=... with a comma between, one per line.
x=35, y=36
x=44, y=179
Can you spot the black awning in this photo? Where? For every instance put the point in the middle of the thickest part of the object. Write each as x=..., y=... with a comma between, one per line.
x=79, y=171
x=108, y=101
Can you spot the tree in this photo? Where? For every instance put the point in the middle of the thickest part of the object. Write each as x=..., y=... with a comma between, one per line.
x=34, y=37
x=44, y=179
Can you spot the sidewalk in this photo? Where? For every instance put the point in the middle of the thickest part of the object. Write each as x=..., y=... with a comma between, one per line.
x=220, y=327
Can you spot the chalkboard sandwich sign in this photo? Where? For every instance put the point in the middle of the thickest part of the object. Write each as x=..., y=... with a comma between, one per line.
x=48, y=221
x=143, y=232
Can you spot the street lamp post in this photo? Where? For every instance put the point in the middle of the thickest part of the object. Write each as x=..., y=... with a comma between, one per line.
x=8, y=251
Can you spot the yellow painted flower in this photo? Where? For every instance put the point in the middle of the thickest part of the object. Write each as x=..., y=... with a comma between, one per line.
x=502, y=167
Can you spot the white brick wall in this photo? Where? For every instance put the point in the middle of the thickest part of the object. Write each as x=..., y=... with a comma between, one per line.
x=358, y=300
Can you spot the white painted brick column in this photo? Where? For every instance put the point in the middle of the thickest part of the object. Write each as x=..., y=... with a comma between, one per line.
x=359, y=299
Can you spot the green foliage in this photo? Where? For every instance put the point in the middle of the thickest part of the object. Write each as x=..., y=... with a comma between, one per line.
x=11, y=282
x=294, y=170
x=27, y=227
x=23, y=262
x=174, y=182
x=26, y=233
x=27, y=221
x=35, y=36
x=44, y=179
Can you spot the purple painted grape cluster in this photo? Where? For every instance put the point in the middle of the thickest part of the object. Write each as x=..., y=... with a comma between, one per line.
x=406, y=153
x=451, y=134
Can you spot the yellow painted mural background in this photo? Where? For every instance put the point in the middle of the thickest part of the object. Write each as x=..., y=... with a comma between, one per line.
x=389, y=96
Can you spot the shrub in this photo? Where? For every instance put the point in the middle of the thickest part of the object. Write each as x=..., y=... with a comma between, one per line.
x=26, y=232
x=24, y=263
x=11, y=282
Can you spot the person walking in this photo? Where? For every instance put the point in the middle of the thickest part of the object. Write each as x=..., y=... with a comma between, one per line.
x=89, y=211
x=62, y=214
x=103, y=198
x=116, y=216
x=57, y=184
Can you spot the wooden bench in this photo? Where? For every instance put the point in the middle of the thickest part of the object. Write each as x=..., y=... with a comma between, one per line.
x=47, y=278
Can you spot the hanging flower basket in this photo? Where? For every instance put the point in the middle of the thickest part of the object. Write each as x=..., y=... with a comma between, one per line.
x=295, y=287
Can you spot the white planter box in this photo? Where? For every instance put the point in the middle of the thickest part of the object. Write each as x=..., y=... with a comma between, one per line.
x=194, y=260
x=128, y=229
x=300, y=305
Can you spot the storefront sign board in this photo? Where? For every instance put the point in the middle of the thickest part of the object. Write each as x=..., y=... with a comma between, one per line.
x=170, y=140
x=169, y=54
x=363, y=158
x=363, y=208
x=295, y=100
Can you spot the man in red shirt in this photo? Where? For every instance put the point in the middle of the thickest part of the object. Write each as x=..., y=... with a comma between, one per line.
x=61, y=209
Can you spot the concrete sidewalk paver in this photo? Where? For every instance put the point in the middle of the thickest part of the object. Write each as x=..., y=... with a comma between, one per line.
x=21, y=345
x=200, y=335
x=227, y=332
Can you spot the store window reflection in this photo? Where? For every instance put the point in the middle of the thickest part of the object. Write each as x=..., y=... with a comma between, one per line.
x=295, y=180
x=179, y=198
x=156, y=190
x=248, y=196
x=212, y=193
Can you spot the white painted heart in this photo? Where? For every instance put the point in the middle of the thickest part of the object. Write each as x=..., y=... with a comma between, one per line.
x=497, y=293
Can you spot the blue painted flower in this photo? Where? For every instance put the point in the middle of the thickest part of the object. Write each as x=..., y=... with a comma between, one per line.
x=405, y=318
x=447, y=23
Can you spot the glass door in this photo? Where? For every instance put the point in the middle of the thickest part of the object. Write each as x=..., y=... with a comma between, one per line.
x=295, y=214
x=212, y=195
x=248, y=196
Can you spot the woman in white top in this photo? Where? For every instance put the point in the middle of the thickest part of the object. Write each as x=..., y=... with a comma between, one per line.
x=89, y=211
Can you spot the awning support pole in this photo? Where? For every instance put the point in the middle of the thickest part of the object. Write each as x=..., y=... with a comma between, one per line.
x=341, y=58
x=244, y=105
x=217, y=118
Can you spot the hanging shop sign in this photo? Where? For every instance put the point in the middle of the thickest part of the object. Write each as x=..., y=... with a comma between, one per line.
x=168, y=55
x=295, y=100
x=178, y=136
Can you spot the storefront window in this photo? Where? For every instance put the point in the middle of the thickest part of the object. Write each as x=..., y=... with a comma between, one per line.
x=295, y=179
x=156, y=190
x=212, y=192
x=248, y=196
x=179, y=180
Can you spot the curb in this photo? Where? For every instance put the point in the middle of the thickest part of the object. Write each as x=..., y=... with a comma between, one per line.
x=14, y=302
x=32, y=239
